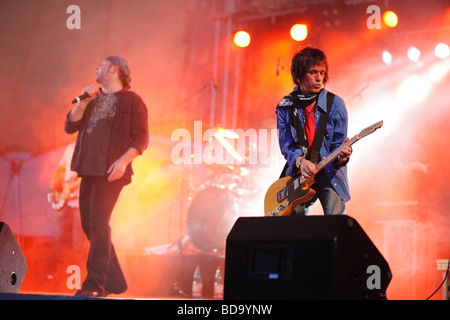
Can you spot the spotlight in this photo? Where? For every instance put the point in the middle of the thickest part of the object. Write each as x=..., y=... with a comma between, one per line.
x=390, y=19
x=242, y=39
x=299, y=32
x=387, y=57
x=413, y=54
x=442, y=50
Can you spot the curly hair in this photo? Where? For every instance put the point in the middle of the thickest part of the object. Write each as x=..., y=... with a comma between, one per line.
x=306, y=58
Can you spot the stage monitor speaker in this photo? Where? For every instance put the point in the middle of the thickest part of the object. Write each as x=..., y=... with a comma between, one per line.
x=12, y=261
x=303, y=257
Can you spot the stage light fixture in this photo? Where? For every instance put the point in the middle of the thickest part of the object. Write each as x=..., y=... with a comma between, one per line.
x=242, y=39
x=221, y=135
x=299, y=32
x=390, y=19
x=387, y=57
x=413, y=53
x=442, y=50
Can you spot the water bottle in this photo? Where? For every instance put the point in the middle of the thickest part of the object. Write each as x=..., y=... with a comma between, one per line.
x=197, y=283
x=218, y=284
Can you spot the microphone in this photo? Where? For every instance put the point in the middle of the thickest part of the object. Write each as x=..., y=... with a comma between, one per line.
x=83, y=96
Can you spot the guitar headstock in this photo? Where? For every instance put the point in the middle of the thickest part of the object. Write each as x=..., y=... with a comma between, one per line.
x=371, y=129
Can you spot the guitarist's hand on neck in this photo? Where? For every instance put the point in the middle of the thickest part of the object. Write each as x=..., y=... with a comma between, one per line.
x=345, y=153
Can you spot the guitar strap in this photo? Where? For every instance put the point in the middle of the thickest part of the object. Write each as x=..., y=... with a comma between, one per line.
x=320, y=132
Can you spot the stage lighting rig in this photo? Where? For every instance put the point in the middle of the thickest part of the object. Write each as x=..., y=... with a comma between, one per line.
x=390, y=19
x=299, y=32
x=242, y=39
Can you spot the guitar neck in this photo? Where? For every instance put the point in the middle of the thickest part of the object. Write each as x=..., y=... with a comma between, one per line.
x=332, y=156
x=365, y=132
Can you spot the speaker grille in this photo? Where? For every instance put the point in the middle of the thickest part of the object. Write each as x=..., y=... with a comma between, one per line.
x=13, y=264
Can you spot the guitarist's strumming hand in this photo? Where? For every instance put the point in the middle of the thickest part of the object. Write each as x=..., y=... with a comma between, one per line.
x=307, y=168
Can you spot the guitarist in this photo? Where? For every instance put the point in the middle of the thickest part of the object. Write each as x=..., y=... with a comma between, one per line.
x=64, y=187
x=312, y=123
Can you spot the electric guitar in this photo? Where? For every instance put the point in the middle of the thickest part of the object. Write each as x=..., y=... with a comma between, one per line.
x=285, y=194
x=58, y=198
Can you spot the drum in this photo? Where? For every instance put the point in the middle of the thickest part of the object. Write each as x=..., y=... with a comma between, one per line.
x=211, y=215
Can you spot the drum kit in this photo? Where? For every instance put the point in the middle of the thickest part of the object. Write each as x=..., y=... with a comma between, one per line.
x=230, y=191
x=217, y=203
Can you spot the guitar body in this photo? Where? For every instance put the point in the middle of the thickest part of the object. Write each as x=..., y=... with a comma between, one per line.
x=274, y=206
x=58, y=199
x=57, y=202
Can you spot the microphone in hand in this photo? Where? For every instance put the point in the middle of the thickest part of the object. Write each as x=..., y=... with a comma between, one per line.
x=84, y=96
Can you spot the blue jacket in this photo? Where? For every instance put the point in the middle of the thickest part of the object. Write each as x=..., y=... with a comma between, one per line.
x=335, y=134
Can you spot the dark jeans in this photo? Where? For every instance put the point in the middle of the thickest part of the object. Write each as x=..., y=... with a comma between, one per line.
x=331, y=202
x=97, y=200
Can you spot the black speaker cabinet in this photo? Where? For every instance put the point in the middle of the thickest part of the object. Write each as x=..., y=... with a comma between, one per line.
x=12, y=261
x=303, y=257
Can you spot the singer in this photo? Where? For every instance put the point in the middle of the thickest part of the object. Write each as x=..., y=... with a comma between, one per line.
x=112, y=130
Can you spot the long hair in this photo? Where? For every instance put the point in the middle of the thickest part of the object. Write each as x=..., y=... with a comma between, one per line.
x=306, y=58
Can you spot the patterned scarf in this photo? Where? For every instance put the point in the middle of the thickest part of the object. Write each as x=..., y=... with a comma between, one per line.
x=302, y=101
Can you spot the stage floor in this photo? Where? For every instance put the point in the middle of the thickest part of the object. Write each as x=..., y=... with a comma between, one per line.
x=32, y=295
